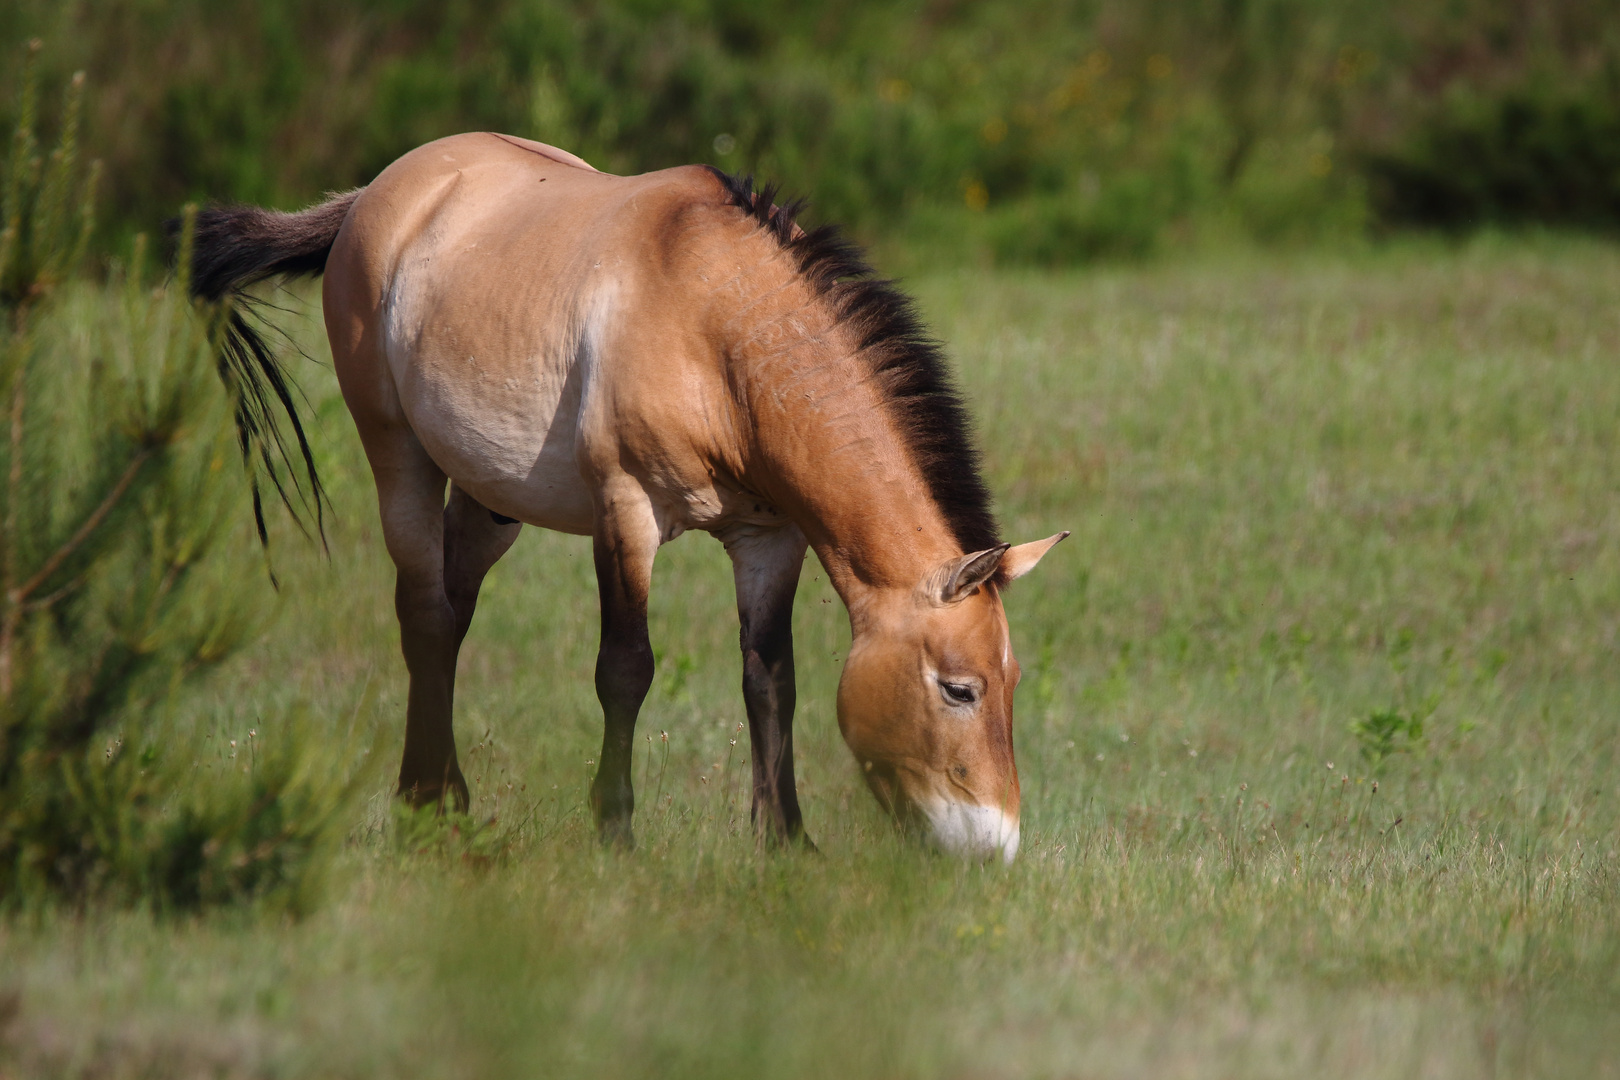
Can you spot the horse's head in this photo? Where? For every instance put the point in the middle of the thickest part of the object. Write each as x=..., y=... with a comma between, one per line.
x=926, y=703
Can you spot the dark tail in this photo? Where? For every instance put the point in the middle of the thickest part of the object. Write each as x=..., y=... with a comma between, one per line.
x=232, y=248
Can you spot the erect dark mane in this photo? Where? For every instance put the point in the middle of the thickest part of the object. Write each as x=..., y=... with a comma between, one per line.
x=906, y=362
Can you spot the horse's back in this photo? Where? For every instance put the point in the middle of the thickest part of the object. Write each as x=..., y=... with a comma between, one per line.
x=468, y=297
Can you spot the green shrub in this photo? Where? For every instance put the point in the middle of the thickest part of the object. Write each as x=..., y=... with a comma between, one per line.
x=1535, y=152
x=117, y=490
x=1389, y=731
x=1124, y=218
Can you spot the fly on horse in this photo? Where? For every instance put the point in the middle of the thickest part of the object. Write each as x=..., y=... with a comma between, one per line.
x=628, y=358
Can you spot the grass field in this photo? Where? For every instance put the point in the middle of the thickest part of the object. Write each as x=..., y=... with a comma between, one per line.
x=1307, y=492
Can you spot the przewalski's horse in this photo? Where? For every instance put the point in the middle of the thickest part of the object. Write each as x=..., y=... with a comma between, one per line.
x=628, y=358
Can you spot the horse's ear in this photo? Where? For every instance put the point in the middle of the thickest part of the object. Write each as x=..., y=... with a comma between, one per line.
x=1020, y=560
x=962, y=575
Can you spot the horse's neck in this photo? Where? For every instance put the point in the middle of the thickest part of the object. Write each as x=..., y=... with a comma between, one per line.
x=826, y=448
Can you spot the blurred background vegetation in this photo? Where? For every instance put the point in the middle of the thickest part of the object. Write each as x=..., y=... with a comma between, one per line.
x=1046, y=131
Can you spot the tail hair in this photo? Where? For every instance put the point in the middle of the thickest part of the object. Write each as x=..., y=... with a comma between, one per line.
x=233, y=248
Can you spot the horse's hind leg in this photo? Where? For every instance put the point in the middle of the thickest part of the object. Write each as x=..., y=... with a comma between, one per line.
x=766, y=568
x=473, y=542
x=625, y=542
x=410, y=497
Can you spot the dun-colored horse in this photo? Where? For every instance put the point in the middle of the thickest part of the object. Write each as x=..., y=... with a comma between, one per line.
x=628, y=358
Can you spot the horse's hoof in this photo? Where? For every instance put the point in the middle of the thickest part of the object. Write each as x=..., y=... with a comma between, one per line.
x=617, y=834
x=446, y=799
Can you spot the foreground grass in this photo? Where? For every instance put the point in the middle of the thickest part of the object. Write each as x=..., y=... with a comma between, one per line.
x=1304, y=492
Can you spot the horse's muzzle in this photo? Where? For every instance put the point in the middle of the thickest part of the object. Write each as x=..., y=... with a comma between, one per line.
x=972, y=831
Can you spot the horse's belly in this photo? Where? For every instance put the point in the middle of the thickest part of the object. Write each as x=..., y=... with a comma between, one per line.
x=504, y=429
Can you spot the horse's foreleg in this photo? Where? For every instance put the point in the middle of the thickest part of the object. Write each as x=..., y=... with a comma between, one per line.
x=473, y=542
x=625, y=542
x=410, y=496
x=766, y=568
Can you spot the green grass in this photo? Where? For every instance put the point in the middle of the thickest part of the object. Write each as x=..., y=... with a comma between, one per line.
x=1307, y=492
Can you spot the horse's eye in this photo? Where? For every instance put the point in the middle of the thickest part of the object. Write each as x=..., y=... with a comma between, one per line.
x=958, y=693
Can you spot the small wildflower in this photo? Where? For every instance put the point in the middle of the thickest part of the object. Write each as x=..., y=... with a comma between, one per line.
x=233, y=742
x=253, y=733
x=1124, y=737
x=1099, y=757
x=1192, y=753
x=703, y=779
x=663, y=736
x=1243, y=787
x=1375, y=787
x=1330, y=766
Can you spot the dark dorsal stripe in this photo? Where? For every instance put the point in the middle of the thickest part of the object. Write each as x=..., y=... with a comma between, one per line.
x=907, y=363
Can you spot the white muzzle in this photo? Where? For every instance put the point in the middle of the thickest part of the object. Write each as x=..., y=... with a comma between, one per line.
x=973, y=832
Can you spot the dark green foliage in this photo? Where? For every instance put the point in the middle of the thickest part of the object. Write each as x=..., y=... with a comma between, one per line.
x=115, y=824
x=1527, y=154
x=1083, y=128
x=117, y=483
x=269, y=837
x=1125, y=218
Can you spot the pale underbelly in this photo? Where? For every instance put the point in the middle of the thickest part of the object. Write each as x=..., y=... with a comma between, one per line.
x=510, y=443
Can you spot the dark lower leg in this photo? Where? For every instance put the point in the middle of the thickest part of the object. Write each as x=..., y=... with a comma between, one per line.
x=768, y=693
x=428, y=772
x=766, y=567
x=624, y=672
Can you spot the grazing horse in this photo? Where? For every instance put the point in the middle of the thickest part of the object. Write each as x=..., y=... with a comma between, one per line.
x=628, y=358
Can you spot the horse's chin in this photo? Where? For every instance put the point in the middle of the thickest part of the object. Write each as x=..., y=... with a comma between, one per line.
x=971, y=831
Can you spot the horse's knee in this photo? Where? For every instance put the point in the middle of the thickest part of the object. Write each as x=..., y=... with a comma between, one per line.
x=426, y=619
x=624, y=674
